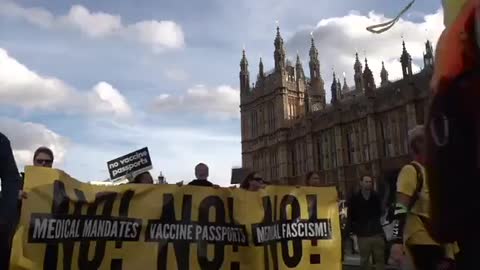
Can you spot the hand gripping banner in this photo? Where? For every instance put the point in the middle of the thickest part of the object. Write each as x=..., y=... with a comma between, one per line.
x=67, y=224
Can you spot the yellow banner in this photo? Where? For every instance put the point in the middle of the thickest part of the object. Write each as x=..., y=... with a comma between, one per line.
x=67, y=224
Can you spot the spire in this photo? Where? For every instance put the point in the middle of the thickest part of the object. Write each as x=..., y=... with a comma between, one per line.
x=428, y=56
x=406, y=61
x=244, y=62
x=317, y=85
x=384, y=75
x=279, y=54
x=244, y=74
x=358, y=77
x=261, y=73
x=314, y=62
x=368, y=80
x=278, y=38
x=299, y=68
x=334, y=89
x=405, y=55
x=357, y=67
x=345, y=87
x=313, y=50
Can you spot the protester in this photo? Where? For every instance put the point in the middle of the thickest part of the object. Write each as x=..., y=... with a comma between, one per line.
x=411, y=211
x=253, y=182
x=364, y=213
x=11, y=183
x=313, y=179
x=43, y=157
x=201, y=174
x=143, y=178
x=453, y=135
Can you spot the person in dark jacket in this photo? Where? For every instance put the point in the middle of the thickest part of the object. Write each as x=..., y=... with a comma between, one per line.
x=11, y=183
x=364, y=213
x=201, y=173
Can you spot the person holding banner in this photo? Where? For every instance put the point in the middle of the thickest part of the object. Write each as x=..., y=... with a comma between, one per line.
x=43, y=157
x=11, y=183
x=201, y=173
x=313, y=179
x=143, y=178
x=253, y=182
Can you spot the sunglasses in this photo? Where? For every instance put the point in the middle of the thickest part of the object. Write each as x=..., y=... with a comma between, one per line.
x=44, y=161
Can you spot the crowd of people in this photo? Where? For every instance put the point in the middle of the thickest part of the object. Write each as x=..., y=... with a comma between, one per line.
x=363, y=221
x=434, y=226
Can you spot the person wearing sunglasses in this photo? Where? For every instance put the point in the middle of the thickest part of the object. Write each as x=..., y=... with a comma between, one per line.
x=43, y=157
x=253, y=182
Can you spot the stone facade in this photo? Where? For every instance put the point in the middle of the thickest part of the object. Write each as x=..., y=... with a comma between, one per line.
x=288, y=129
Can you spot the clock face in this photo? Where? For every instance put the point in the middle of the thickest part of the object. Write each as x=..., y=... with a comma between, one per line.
x=316, y=106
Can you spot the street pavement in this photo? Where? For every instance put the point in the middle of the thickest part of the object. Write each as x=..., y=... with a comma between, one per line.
x=352, y=262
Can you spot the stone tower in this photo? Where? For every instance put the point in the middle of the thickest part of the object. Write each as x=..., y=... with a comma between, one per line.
x=384, y=75
x=358, y=77
x=406, y=61
x=277, y=98
x=279, y=55
x=244, y=75
x=316, y=92
x=428, y=56
x=335, y=90
x=368, y=81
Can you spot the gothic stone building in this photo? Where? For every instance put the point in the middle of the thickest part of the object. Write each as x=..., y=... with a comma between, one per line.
x=288, y=129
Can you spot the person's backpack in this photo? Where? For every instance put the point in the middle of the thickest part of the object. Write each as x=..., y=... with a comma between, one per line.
x=419, y=186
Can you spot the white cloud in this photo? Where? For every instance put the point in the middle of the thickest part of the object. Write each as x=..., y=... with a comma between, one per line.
x=93, y=24
x=37, y=16
x=106, y=99
x=338, y=38
x=220, y=102
x=22, y=87
x=26, y=137
x=159, y=35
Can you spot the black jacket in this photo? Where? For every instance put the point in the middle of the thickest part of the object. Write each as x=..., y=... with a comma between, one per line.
x=203, y=183
x=11, y=182
x=364, y=215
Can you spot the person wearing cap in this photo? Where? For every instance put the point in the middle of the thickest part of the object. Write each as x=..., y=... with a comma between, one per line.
x=453, y=134
x=411, y=217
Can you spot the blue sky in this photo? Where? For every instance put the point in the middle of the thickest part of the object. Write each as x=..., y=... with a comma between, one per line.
x=97, y=79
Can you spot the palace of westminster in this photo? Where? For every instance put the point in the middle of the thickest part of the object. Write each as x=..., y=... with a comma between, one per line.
x=288, y=129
